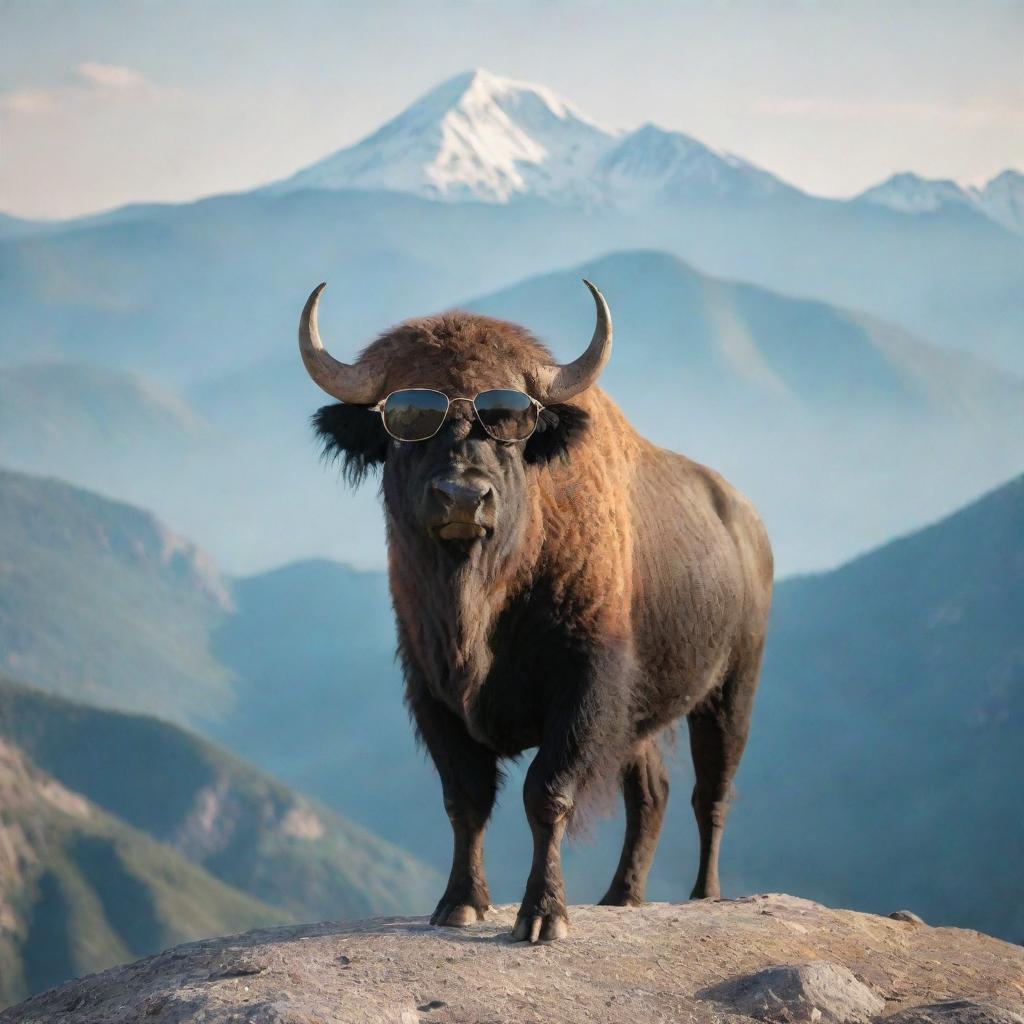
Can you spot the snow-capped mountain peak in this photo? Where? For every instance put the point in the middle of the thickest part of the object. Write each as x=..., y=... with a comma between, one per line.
x=910, y=193
x=482, y=137
x=654, y=163
x=1001, y=199
x=476, y=136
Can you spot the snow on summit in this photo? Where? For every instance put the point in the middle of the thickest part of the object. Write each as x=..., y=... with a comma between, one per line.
x=652, y=163
x=482, y=137
x=1001, y=199
x=476, y=136
x=911, y=193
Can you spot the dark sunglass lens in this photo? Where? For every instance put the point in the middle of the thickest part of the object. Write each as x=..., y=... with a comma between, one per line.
x=414, y=415
x=506, y=415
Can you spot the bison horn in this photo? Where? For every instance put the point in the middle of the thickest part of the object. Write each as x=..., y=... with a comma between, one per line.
x=559, y=383
x=356, y=385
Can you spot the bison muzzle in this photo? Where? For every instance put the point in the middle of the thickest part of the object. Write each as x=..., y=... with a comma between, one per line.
x=559, y=583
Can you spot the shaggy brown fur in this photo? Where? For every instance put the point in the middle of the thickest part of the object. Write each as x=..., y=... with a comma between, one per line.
x=620, y=586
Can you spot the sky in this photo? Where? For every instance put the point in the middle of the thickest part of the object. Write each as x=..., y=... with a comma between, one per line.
x=105, y=102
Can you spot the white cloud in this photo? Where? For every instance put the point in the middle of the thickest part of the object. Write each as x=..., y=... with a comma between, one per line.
x=90, y=83
x=111, y=76
x=27, y=101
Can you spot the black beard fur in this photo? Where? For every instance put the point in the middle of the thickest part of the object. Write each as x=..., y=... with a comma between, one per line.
x=455, y=601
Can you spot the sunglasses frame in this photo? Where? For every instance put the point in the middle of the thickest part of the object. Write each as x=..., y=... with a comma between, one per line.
x=379, y=408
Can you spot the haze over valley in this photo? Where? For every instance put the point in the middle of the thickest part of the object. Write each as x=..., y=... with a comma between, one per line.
x=818, y=352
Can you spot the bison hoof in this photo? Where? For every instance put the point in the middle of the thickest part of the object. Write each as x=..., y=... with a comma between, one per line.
x=615, y=898
x=706, y=892
x=533, y=926
x=452, y=914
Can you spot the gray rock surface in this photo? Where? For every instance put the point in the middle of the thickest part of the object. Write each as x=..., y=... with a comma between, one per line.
x=956, y=1011
x=647, y=965
x=815, y=991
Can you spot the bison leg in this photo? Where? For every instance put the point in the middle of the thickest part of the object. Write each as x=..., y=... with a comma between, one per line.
x=469, y=779
x=584, y=742
x=645, y=792
x=542, y=915
x=718, y=733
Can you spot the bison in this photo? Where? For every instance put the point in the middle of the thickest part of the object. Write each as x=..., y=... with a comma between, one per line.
x=559, y=583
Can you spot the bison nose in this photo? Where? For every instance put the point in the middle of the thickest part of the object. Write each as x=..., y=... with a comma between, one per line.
x=464, y=495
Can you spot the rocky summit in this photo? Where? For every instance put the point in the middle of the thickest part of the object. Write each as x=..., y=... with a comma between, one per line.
x=772, y=958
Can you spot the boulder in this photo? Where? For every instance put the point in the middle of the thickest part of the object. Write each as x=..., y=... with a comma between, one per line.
x=906, y=915
x=816, y=991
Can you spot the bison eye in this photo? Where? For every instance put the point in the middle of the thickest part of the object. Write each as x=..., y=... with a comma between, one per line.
x=353, y=434
x=558, y=429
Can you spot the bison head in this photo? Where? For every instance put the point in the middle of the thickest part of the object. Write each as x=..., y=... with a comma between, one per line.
x=460, y=488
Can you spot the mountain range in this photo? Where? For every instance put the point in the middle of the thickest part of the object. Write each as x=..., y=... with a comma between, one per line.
x=810, y=408
x=842, y=407
x=121, y=834
x=1001, y=199
x=895, y=685
x=220, y=813
x=485, y=138
x=139, y=605
x=81, y=891
x=913, y=650
x=103, y=603
x=189, y=290
x=148, y=353
x=882, y=766
x=856, y=367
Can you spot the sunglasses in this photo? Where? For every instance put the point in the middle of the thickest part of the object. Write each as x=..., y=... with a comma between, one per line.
x=416, y=414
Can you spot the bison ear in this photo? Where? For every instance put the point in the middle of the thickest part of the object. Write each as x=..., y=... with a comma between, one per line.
x=558, y=429
x=353, y=434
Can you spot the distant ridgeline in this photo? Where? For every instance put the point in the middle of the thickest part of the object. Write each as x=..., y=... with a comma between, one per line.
x=148, y=352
